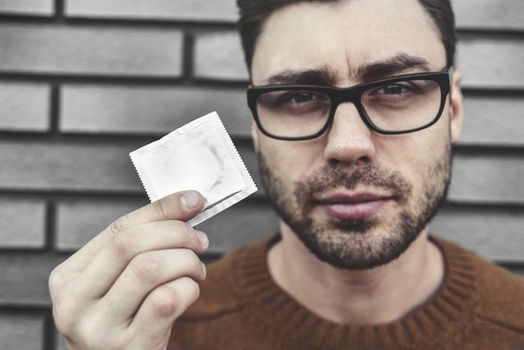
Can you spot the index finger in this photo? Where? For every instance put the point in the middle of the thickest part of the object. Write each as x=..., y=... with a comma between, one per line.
x=182, y=206
x=178, y=206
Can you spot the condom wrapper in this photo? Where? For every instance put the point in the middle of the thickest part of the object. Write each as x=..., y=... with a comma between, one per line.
x=197, y=156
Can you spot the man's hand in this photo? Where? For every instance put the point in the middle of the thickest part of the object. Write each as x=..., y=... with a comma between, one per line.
x=126, y=287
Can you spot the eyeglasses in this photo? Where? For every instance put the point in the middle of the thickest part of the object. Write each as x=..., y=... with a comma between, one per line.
x=396, y=105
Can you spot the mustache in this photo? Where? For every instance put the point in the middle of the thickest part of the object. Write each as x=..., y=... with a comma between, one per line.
x=333, y=177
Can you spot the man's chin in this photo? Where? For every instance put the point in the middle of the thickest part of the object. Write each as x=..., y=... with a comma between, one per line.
x=324, y=224
x=334, y=252
x=356, y=244
x=360, y=227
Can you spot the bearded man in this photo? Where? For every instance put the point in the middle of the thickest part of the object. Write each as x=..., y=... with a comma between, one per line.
x=356, y=105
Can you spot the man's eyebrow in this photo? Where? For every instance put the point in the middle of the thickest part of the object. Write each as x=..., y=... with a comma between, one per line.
x=317, y=76
x=326, y=76
x=390, y=66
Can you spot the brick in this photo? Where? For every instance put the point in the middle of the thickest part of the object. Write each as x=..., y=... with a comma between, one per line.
x=493, y=121
x=25, y=107
x=219, y=56
x=476, y=57
x=148, y=110
x=487, y=178
x=21, y=332
x=75, y=166
x=489, y=14
x=495, y=234
x=90, y=50
x=23, y=223
x=28, y=7
x=79, y=221
x=26, y=275
x=190, y=10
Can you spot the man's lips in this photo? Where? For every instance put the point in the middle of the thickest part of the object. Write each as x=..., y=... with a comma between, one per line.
x=354, y=206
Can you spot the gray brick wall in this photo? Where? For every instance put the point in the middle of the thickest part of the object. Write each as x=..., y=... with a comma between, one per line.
x=21, y=332
x=82, y=50
x=148, y=110
x=476, y=55
x=184, y=10
x=488, y=14
x=40, y=8
x=83, y=82
x=218, y=55
x=25, y=106
x=25, y=231
x=493, y=120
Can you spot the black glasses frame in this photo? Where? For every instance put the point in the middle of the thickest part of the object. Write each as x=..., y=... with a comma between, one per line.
x=351, y=94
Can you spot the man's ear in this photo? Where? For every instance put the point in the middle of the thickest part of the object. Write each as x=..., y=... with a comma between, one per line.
x=456, y=106
x=254, y=135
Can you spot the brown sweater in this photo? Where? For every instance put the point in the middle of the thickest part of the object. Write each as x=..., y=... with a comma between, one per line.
x=479, y=306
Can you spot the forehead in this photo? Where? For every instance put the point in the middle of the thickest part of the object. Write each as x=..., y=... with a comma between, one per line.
x=343, y=36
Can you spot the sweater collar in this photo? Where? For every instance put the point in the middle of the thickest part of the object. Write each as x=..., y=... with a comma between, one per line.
x=450, y=308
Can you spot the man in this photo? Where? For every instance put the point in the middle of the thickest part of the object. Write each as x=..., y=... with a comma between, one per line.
x=356, y=106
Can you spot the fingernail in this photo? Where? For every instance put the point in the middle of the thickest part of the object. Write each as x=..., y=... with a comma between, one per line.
x=204, y=268
x=190, y=199
x=202, y=237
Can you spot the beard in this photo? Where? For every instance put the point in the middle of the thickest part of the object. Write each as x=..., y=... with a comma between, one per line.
x=365, y=243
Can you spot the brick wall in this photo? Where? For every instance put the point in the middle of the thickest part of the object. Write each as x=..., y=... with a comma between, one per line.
x=83, y=82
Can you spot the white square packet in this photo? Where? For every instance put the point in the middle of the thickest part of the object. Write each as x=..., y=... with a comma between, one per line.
x=197, y=156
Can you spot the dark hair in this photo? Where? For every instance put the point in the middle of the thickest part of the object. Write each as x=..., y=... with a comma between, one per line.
x=254, y=13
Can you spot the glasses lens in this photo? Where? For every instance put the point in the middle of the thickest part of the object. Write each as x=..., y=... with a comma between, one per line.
x=403, y=105
x=293, y=113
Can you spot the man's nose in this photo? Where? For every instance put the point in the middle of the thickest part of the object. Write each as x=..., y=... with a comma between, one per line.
x=349, y=140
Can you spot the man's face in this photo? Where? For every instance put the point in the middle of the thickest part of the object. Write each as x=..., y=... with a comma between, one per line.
x=355, y=198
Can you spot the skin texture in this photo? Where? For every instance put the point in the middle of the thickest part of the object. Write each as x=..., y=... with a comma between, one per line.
x=356, y=264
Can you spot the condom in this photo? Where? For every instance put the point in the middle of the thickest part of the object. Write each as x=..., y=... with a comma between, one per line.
x=197, y=156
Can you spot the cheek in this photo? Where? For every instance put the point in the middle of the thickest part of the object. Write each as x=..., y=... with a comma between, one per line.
x=416, y=155
x=291, y=160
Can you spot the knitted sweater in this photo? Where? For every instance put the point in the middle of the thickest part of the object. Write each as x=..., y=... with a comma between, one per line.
x=478, y=306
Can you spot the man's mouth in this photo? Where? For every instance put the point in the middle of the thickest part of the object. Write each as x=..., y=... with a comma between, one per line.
x=354, y=205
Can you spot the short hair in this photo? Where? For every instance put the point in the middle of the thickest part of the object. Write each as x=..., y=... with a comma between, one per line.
x=254, y=13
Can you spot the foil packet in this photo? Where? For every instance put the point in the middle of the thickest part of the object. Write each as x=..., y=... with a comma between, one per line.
x=197, y=156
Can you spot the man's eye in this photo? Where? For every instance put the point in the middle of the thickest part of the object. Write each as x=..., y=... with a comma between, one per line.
x=298, y=98
x=295, y=101
x=393, y=89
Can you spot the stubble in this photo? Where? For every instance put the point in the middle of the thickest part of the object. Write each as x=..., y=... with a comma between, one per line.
x=358, y=244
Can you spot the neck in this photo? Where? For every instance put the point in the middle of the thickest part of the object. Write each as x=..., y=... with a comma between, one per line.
x=373, y=296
